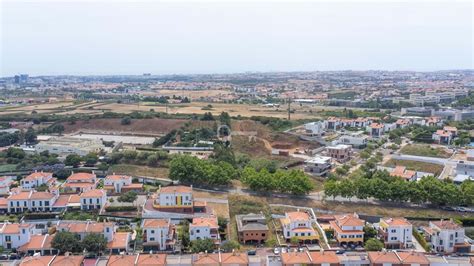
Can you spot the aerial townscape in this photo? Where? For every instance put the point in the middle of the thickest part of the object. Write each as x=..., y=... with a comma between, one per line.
x=247, y=169
x=266, y=133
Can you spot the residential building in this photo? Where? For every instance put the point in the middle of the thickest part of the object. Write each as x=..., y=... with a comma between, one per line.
x=442, y=137
x=137, y=260
x=37, y=179
x=252, y=228
x=299, y=225
x=465, y=168
x=318, y=258
x=376, y=130
x=221, y=259
x=384, y=258
x=15, y=235
x=402, y=123
x=348, y=229
x=178, y=199
x=340, y=152
x=446, y=236
x=318, y=165
x=80, y=182
x=402, y=172
x=204, y=227
x=94, y=199
x=396, y=232
x=199, y=152
x=417, y=111
x=356, y=140
x=39, y=244
x=333, y=123
x=315, y=128
x=120, y=243
x=120, y=184
x=411, y=258
x=84, y=228
x=33, y=201
x=158, y=234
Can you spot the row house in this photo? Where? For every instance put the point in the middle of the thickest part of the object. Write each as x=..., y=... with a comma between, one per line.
x=137, y=259
x=94, y=199
x=397, y=233
x=15, y=235
x=402, y=123
x=53, y=260
x=299, y=225
x=348, y=229
x=446, y=236
x=80, y=182
x=158, y=234
x=31, y=201
x=394, y=258
x=318, y=258
x=37, y=179
x=214, y=259
x=39, y=244
x=204, y=227
x=83, y=228
x=252, y=228
x=218, y=259
x=120, y=184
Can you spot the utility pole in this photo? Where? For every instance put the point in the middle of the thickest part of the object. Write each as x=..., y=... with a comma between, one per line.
x=289, y=108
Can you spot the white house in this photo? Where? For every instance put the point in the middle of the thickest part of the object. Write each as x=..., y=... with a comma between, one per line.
x=396, y=232
x=14, y=235
x=465, y=168
x=204, y=227
x=80, y=182
x=31, y=201
x=93, y=199
x=318, y=165
x=356, y=140
x=298, y=224
x=37, y=179
x=446, y=236
x=175, y=196
x=120, y=184
x=315, y=128
x=84, y=228
x=158, y=234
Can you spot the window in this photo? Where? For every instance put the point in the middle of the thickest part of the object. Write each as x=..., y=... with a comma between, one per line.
x=46, y=203
x=33, y=203
x=97, y=201
x=41, y=203
x=263, y=234
x=197, y=231
x=152, y=231
x=152, y=239
x=393, y=230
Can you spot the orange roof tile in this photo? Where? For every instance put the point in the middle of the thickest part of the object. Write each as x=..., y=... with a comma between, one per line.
x=153, y=223
x=298, y=215
x=176, y=189
x=151, y=259
x=120, y=240
x=121, y=260
x=118, y=177
x=206, y=259
x=93, y=193
x=36, y=175
x=446, y=224
x=383, y=257
x=205, y=221
x=81, y=176
x=397, y=221
x=295, y=258
x=324, y=257
x=234, y=258
x=413, y=258
x=37, y=261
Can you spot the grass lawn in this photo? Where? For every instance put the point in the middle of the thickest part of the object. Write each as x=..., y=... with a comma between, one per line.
x=416, y=166
x=7, y=167
x=139, y=170
x=80, y=216
x=425, y=150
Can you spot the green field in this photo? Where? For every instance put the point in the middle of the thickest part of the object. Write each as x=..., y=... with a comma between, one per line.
x=7, y=167
x=425, y=150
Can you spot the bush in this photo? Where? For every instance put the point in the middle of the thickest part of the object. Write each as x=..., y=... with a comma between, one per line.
x=120, y=208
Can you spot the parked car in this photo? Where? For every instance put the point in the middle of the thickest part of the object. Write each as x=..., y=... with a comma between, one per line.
x=276, y=251
x=3, y=257
x=252, y=252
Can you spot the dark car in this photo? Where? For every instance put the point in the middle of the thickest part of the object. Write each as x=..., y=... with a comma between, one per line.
x=251, y=252
x=3, y=257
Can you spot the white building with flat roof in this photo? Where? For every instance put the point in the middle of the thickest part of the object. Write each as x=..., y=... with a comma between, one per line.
x=318, y=165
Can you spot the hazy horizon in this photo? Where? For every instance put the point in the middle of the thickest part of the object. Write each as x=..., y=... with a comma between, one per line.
x=164, y=38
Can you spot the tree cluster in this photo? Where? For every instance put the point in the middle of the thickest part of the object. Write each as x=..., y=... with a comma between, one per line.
x=294, y=182
x=69, y=242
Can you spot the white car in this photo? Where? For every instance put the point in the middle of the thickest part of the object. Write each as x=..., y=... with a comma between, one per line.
x=276, y=251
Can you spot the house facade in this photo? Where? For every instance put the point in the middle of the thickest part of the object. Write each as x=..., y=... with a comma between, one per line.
x=299, y=225
x=397, y=233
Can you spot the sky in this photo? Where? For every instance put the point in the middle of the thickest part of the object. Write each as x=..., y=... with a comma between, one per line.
x=130, y=37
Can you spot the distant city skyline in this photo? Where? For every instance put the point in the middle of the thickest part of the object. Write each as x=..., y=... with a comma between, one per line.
x=121, y=38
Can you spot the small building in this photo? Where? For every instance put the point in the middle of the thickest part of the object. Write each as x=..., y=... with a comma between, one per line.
x=442, y=137
x=120, y=184
x=204, y=227
x=465, y=168
x=80, y=182
x=340, y=152
x=318, y=165
x=33, y=201
x=385, y=258
x=200, y=152
x=299, y=225
x=446, y=236
x=221, y=259
x=158, y=234
x=376, y=130
x=94, y=199
x=177, y=199
x=318, y=258
x=402, y=172
x=281, y=148
x=356, y=140
x=402, y=123
x=119, y=243
x=137, y=260
x=252, y=228
x=15, y=235
x=84, y=228
x=37, y=179
x=348, y=229
x=396, y=232
x=39, y=244
x=315, y=128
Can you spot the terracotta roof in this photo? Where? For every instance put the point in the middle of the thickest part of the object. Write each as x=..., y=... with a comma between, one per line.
x=443, y=133
x=68, y=261
x=37, y=242
x=81, y=176
x=446, y=224
x=14, y=228
x=153, y=223
x=37, y=175
x=413, y=258
x=120, y=240
x=383, y=257
x=205, y=221
x=295, y=258
x=397, y=221
x=349, y=220
x=176, y=189
x=447, y=128
x=206, y=259
x=121, y=260
x=37, y=261
x=151, y=259
x=376, y=125
x=24, y=195
x=3, y=203
x=41, y=195
x=234, y=258
x=93, y=193
x=402, y=172
x=298, y=215
x=117, y=177
x=324, y=257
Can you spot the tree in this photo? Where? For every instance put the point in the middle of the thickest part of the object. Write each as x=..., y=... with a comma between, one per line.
x=373, y=245
x=224, y=118
x=95, y=243
x=294, y=240
x=126, y=121
x=230, y=245
x=30, y=136
x=183, y=233
x=130, y=196
x=369, y=232
x=91, y=159
x=202, y=245
x=73, y=160
x=207, y=117
x=66, y=242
